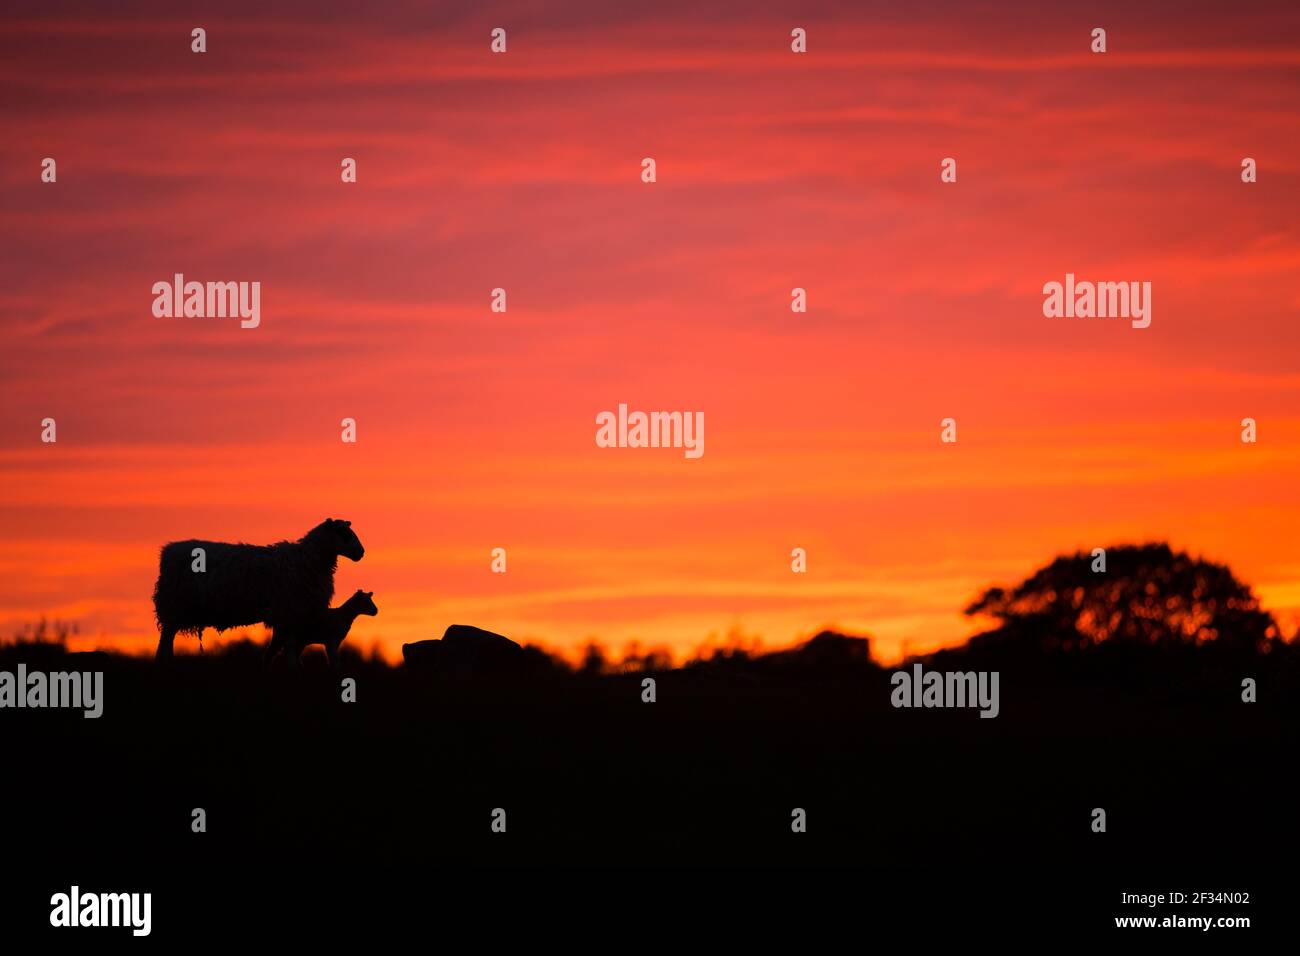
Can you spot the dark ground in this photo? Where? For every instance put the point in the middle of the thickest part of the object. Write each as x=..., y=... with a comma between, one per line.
x=313, y=799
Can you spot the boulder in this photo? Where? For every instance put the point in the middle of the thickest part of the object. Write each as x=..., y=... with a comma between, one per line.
x=464, y=652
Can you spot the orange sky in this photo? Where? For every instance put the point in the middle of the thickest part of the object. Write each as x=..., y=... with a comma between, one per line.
x=476, y=430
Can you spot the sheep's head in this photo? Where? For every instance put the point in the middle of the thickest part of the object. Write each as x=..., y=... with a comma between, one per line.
x=364, y=602
x=342, y=539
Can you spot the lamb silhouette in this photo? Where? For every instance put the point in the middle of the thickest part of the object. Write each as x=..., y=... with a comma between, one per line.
x=279, y=585
x=464, y=652
x=330, y=629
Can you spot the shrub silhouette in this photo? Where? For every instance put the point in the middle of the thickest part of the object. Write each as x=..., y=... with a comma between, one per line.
x=1149, y=595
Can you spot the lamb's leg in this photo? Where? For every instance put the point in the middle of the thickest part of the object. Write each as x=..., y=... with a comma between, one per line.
x=292, y=651
x=332, y=653
x=165, y=640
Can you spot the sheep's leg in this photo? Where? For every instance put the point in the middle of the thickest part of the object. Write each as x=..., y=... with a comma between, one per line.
x=165, y=640
x=291, y=654
x=273, y=647
x=332, y=652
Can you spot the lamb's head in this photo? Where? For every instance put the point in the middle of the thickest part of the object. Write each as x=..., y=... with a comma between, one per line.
x=363, y=602
x=337, y=537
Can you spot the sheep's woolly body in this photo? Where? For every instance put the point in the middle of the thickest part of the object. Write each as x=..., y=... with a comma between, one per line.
x=243, y=584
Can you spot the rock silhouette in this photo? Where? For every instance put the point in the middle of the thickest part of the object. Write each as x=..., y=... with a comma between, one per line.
x=464, y=652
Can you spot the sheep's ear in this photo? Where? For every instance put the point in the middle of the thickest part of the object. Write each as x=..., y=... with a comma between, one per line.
x=348, y=523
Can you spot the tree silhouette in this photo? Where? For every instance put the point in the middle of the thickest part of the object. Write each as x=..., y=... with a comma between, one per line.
x=1148, y=595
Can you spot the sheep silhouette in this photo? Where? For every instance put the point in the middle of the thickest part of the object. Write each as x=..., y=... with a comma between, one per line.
x=330, y=629
x=278, y=585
